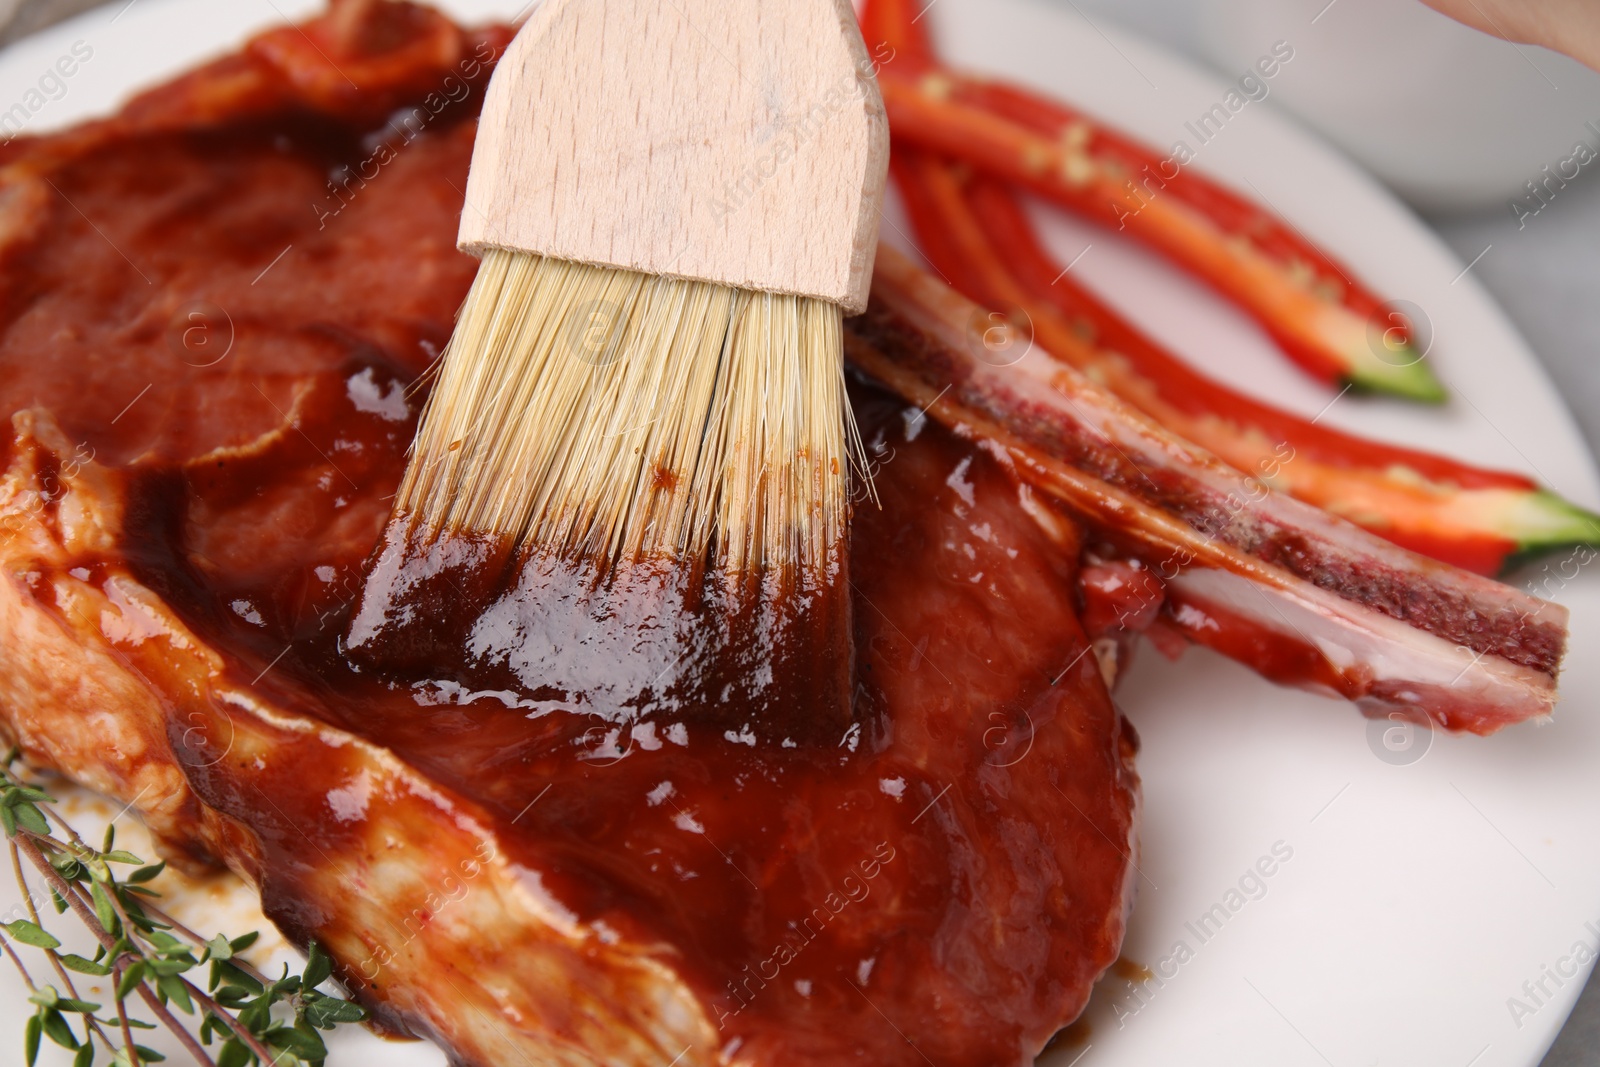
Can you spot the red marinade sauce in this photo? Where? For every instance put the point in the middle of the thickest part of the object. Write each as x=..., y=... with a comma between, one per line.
x=766, y=653
x=1119, y=595
x=939, y=878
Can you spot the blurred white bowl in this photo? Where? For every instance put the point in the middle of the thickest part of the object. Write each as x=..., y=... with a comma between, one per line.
x=1450, y=118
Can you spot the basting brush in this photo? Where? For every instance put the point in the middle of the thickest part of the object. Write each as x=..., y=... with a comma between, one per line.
x=629, y=490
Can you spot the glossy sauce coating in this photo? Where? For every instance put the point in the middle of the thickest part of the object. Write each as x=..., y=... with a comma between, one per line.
x=943, y=878
x=766, y=653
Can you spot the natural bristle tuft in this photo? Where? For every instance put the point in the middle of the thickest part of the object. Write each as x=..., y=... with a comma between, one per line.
x=622, y=416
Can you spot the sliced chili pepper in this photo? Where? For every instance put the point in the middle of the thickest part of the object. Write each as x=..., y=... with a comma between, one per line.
x=1325, y=321
x=1477, y=519
x=901, y=27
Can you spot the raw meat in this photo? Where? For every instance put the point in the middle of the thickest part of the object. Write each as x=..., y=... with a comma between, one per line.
x=209, y=357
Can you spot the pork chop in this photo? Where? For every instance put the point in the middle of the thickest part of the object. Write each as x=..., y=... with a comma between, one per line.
x=218, y=305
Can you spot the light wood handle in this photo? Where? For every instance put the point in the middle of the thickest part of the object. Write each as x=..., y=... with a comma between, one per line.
x=733, y=141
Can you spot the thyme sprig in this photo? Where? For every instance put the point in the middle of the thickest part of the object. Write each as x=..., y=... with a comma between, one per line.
x=147, y=955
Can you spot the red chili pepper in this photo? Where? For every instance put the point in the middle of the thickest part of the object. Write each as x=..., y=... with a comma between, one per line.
x=976, y=234
x=896, y=24
x=1313, y=307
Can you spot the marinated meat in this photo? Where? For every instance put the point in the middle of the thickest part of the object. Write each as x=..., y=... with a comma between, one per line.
x=211, y=356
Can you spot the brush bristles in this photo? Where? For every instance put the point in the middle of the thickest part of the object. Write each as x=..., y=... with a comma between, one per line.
x=623, y=416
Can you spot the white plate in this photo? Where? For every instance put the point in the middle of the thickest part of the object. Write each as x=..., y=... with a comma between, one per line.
x=1418, y=897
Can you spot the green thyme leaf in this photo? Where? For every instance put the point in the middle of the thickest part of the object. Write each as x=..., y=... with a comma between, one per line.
x=82, y=1007
x=131, y=977
x=327, y=1012
x=295, y=1043
x=256, y=1015
x=73, y=962
x=226, y=974
x=231, y=996
x=173, y=988
x=144, y=874
x=166, y=968
x=219, y=948
x=56, y=1028
x=319, y=968
x=148, y=953
x=103, y=909
x=66, y=865
x=233, y=1054
x=165, y=941
x=31, y=819
x=30, y=933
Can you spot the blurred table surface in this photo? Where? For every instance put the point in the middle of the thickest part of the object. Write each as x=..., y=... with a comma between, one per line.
x=1546, y=275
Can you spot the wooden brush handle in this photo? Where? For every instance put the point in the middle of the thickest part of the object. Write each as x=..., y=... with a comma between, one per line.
x=741, y=142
